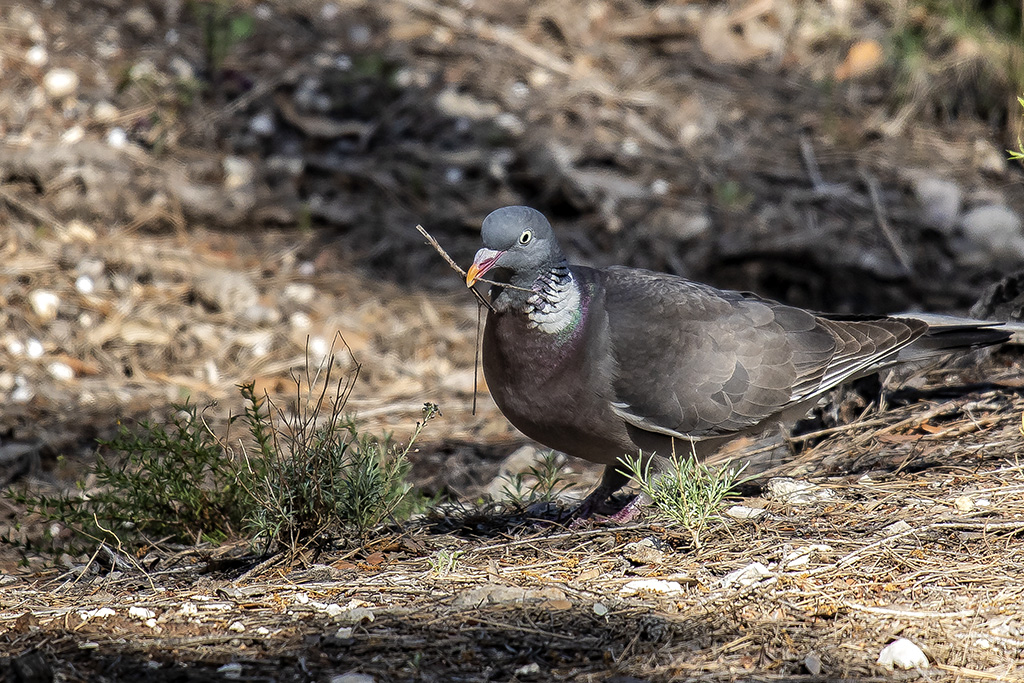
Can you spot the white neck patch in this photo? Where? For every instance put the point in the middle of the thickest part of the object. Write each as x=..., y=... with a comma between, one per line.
x=556, y=306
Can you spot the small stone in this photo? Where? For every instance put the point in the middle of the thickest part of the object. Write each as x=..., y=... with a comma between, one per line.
x=645, y=551
x=299, y=292
x=600, y=609
x=903, y=654
x=72, y=135
x=44, y=303
x=36, y=56
x=140, y=20
x=61, y=371
x=992, y=231
x=233, y=670
x=85, y=284
x=105, y=112
x=744, y=512
x=188, y=609
x=100, y=613
x=812, y=662
x=531, y=669
x=34, y=348
x=263, y=124
x=117, y=138
x=60, y=83
x=896, y=528
x=237, y=627
x=238, y=172
x=141, y=613
x=343, y=633
x=940, y=201
x=76, y=230
x=746, y=576
x=964, y=503
x=352, y=678
x=794, y=492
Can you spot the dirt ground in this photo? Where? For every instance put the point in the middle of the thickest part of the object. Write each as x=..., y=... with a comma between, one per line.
x=183, y=208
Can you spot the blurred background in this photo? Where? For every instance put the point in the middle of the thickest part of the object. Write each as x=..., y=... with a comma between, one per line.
x=194, y=194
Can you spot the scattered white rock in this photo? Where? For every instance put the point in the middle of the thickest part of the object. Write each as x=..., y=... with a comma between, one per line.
x=141, y=613
x=36, y=56
x=531, y=669
x=34, y=348
x=117, y=138
x=902, y=654
x=238, y=172
x=964, y=503
x=660, y=187
x=100, y=613
x=802, y=556
x=140, y=20
x=232, y=670
x=60, y=83
x=299, y=292
x=44, y=303
x=263, y=631
x=344, y=633
x=992, y=231
x=896, y=528
x=61, y=371
x=188, y=609
x=352, y=678
x=645, y=551
x=105, y=112
x=940, y=201
x=85, y=284
x=237, y=627
x=228, y=291
x=600, y=609
x=263, y=124
x=812, y=662
x=746, y=576
x=72, y=135
x=651, y=586
x=794, y=492
x=744, y=512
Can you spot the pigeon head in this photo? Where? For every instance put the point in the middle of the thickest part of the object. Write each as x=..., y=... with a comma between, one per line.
x=519, y=241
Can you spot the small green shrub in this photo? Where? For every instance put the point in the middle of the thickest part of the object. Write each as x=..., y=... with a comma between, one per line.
x=688, y=492
x=303, y=477
x=172, y=483
x=542, y=483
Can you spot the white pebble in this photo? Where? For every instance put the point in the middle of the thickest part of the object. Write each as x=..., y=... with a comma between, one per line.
x=660, y=187
x=263, y=631
x=746, y=576
x=352, y=677
x=903, y=654
x=85, y=284
x=117, y=138
x=262, y=124
x=105, y=112
x=101, y=613
x=743, y=512
x=299, y=292
x=34, y=348
x=36, y=55
x=60, y=83
x=72, y=135
x=141, y=613
x=237, y=627
x=45, y=303
x=232, y=670
x=188, y=609
x=343, y=633
x=61, y=371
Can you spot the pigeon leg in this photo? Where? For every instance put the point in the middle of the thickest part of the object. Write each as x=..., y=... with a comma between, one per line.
x=611, y=481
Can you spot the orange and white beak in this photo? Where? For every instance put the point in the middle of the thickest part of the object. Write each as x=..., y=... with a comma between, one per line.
x=482, y=262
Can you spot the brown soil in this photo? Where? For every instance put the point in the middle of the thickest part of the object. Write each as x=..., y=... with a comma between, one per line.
x=174, y=227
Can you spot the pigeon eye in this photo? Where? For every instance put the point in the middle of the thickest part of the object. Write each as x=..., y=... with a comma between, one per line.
x=525, y=237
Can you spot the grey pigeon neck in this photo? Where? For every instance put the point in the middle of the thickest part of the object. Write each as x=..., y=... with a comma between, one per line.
x=556, y=306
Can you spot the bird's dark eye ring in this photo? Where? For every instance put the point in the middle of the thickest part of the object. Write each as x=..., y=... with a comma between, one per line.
x=525, y=237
